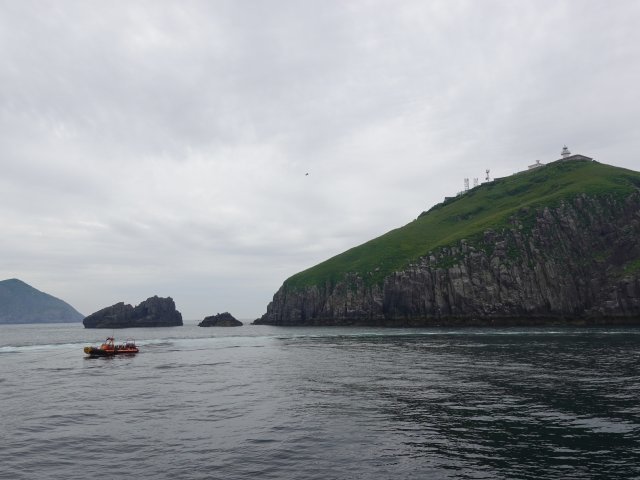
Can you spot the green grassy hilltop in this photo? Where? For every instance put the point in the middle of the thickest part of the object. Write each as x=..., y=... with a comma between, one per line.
x=467, y=216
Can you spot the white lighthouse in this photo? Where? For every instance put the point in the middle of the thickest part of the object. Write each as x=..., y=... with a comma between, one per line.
x=567, y=155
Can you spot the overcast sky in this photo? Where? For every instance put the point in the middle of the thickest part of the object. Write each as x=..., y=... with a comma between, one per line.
x=161, y=147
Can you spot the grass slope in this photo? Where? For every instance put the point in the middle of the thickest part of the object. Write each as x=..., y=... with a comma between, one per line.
x=486, y=206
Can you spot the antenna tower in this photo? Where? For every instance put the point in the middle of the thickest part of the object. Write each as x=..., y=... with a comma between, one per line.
x=475, y=182
x=466, y=184
x=487, y=178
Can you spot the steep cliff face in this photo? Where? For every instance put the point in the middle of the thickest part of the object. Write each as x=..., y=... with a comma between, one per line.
x=575, y=262
x=153, y=312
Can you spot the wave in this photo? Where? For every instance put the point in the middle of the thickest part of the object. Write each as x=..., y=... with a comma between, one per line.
x=221, y=339
x=40, y=347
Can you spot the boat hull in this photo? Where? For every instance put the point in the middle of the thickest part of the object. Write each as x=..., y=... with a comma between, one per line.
x=101, y=352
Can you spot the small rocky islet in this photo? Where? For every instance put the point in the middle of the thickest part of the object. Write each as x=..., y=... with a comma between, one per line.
x=220, y=320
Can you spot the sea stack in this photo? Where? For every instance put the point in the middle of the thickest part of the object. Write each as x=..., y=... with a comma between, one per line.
x=220, y=320
x=153, y=312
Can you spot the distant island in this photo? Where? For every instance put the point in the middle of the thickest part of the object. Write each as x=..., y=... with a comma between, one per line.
x=220, y=320
x=558, y=244
x=153, y=312
x=21, y=303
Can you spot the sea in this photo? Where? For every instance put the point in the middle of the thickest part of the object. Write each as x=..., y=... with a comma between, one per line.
x=262, y=402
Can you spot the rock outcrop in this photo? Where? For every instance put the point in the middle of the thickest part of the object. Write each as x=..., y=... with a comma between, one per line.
x=577, y=262
x=220, y=320
x=153, y=312
x=21, y=303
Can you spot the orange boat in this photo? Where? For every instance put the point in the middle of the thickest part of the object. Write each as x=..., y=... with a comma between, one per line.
x=109, y=348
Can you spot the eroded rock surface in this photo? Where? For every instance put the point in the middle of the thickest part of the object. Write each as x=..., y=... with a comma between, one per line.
x=575, y=263
x=153, y=312
x=220, y=320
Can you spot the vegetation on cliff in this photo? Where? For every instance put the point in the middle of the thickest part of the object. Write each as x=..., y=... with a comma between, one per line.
x=556, y=245
x=488, y=206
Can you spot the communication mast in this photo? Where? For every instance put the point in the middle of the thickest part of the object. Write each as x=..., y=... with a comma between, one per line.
x=475, y=182
x=466, y=184
x=487, y=178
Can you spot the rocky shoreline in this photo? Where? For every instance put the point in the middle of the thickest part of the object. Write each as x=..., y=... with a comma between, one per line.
x=464, y=322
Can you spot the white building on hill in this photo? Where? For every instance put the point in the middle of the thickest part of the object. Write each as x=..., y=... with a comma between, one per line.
x=566, y=155
x=538, y=164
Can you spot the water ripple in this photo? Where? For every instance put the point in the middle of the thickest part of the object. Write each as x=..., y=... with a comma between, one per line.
x=317, y=404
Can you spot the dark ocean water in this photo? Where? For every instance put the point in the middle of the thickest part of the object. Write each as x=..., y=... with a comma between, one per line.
x=260, y=402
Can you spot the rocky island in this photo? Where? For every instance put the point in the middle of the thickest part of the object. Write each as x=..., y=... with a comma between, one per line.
x=153, y=312
x=556, y=245
x=220, y=320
